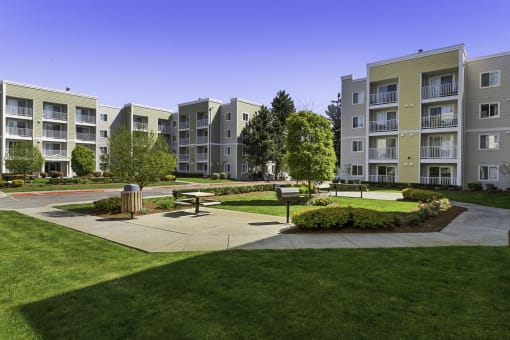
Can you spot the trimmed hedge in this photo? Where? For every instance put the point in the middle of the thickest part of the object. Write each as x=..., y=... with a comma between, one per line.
x=419, y=195
x=337, y=217
x=229, y=190
x=188, y=174
x=399, y=185
x=367, y=218
x=348, y=187
x=319, y=200
x=16, y=183
x=108, y=205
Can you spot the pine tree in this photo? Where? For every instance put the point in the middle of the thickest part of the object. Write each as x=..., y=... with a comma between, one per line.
x=334, y=113
x=257, y=139
x=282, y=107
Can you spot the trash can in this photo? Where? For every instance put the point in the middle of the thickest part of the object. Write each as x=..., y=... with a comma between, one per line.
x=131, y=199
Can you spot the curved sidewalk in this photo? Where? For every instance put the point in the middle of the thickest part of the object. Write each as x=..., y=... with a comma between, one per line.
x=218, y=229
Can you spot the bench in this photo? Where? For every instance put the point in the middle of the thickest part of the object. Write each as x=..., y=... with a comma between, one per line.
x=208, y=203
x=186, y=201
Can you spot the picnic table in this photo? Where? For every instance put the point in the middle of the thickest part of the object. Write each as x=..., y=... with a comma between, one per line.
x=197, y=195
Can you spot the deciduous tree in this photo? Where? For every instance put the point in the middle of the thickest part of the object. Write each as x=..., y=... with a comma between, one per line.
x=24, y=158
x=83, y=160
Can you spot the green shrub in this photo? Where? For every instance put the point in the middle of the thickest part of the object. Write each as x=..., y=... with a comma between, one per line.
x=108, y=205
x=97, y=173
x=40, y=181
x=320, y=200
x=367, y=218
x=348, y=187
x=16, y=183
x=418, y=195
x=165, y=203
x=425, y=210
x=224, y=175
x=229, y=190
x=491, y=187
x=475, y=186
x=168, y=178
x=3, y=183
x=215, y=175
x=324, y=218
x=43, y=174
x=108, y=174
x=56, y=174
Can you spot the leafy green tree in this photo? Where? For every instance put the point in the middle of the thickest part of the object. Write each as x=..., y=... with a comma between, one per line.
x=140, y=157
x=282, y=107
x=310, y=155
x=334, y=113
x=24, y=158
x=83, y=160
x=257, y=138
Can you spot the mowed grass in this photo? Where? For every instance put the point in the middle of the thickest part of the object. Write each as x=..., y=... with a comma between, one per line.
x=491, y=199
x=58, y=283
x=266, y=203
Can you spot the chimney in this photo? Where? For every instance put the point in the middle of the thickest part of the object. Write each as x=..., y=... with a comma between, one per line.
x=420, y=50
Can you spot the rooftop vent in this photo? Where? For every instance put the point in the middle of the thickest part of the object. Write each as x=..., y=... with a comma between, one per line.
x=420, y=50
x=68, y=89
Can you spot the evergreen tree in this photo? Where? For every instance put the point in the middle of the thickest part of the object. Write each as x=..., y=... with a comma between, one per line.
x=282, y=107
x=257, y=139
x=334, y=113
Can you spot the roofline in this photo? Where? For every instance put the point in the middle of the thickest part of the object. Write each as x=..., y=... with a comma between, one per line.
x=349, y=76
x=110, y=106
x=35, y=87
x=149, y=107
x=502, y=54
x=201, y=100
x=244, y=101
x=418, y=55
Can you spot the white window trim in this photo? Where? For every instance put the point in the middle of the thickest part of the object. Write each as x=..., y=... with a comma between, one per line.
x=225, y=168
x=243, y=166
x=487, y=87
x=106, y=133
x=362, y=170
x=248, y=115
x=353, y=103
x=362, y=146
x=227, y=148
x=228, y=116
x=228, y=134
x=358, y=127
x=488, y=134
x=488, y=166
x=488, y=103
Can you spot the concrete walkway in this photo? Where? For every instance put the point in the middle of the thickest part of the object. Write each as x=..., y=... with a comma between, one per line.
x=218, y=229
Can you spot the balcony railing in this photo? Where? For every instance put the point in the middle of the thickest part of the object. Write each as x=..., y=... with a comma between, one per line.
x=85, y=119
x=382, y=153
x=54, y=153
x=383, y=125
x=202, y=139
x=140, y=126
x=439, y=180
x=435, y=91
x=55, y=134
x=184, y=124
x=438, y=152
x=164, y=128
x=202, y=123
x=183, y=141
x=85, y=136
x=381, y=178
x=19, y=132
x=183, y=168
x=19, y=111
x=184, y=157
x=438, y=122
x=383, y=98
x=55, y=115
x=202, y=156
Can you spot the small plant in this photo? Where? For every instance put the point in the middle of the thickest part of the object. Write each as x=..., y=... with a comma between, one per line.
x=491, y=187
x=97, y=173
x=215, y=175
x=56, y=174
x=224, y=175
x=43, y=174
x=108, y=174
x=108, y=205
x=165, y=203
x=169, y=178
x=475, y=186
x=419, y=195
x=321, y=200
x=3, y=183
x=16, y=183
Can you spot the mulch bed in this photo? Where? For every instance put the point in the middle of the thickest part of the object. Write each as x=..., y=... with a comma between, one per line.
x=432, y=224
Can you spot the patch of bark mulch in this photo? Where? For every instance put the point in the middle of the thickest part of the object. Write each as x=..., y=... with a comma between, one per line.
x=431, y=224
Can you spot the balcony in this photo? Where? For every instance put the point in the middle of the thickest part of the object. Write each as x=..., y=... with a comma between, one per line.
x=438, y=152
x=201, y=123
x=202, y=139
x=184, y=124
x=382, y=98
x=19, y=111
x=140, y=126
x=86, y=136
x=54, y=134
x=440, y=121
x=19, y=132
x=383, y=153
x=184, y=141
x=439, y=180
x=55, y=115
x=184, y=157
x=54, y=153
x=437, y=91
x=164, y=128
x=381, y=178
x=202, y=157
x=383, y=125
x=85, y=119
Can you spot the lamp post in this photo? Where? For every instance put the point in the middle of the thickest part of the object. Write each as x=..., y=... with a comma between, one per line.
x=338, y=124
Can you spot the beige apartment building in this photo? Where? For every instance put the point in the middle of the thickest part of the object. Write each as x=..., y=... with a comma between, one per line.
x=433, y=117
x=205, y=134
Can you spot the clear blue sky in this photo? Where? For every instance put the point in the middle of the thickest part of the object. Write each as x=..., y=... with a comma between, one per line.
x=161, y=53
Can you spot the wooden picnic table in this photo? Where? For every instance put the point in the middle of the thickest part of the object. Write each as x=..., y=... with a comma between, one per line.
x=197, y=195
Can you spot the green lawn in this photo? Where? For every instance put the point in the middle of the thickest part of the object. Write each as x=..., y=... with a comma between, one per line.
x=203, y=180
x=58, y=283
x=491, y=199
x=266, y=203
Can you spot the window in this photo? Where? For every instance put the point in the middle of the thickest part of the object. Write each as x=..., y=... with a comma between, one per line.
x=103, y=133
x=356, y=170
x=228, y=116
x=103, y=150
x=174, y=123
x=244, y=168
x=357, y=122
x=228, y=133
x=489, y=142
x=488, y=173
x=227, y=151
x=358, y=98
x=489, y=110
x=103, y=117
x=226, y=167
x=357, y=145
x=245, y=116
x=490, y=79
x=243, y=151
x=174, y=138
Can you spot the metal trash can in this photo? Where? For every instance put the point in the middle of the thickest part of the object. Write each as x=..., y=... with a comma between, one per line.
x=131, y=199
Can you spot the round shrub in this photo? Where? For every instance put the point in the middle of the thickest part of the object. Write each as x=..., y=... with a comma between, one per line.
x=165, y=203
x=320, y=200
x=215, y=175
x=56, y=174
x=475, y=186
x=325, y=218
x=169, y=178
x=418, y=195
x=367, y=218
x=3, y=183
x=108, y=205
x=223, y=175
x=16, y=183
x=43, y=174
x=97, y=173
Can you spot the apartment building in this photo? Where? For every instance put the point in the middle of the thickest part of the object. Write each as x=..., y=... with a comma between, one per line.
x=433, y=117
x=208, y=136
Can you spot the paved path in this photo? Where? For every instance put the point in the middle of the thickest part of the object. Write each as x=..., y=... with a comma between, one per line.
x=218, y=229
